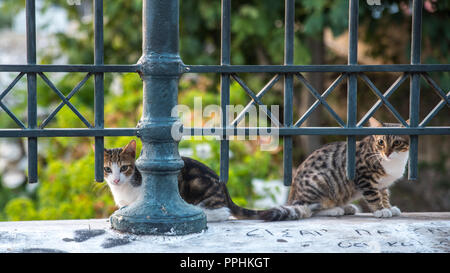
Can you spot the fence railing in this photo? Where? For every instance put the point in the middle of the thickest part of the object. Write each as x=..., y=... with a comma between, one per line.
x=160, y=67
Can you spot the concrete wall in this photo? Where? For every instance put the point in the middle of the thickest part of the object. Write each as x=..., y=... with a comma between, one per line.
x=411, y=232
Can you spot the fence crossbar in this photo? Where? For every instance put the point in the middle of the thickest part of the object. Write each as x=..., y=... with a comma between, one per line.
x=4, y=107
x=321, y=99
x=71, y=94
x=256, y=99
x=435, y=110
x=65, y=100
x=386, y=95
x=384, y=101
x=260, y=94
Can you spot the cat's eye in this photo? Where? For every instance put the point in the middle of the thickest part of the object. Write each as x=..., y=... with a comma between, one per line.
x=107, y=169
x=396, y=143
x=124, y=168
x=380, y=142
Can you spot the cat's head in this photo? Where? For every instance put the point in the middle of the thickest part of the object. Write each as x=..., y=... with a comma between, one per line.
x=389, y=146
x=118, y=166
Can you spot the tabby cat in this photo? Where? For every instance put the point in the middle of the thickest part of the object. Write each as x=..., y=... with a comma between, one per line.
x=321, y=187
x=197, y=184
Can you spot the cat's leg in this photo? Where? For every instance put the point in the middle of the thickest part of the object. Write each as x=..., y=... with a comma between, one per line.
x=350, y=209
x=328, y=207
x=385, y=199
x=374, y=199
x=336, y=211
x=213, y=203
x=216, y=215
x=368, y=186
x=214, y=210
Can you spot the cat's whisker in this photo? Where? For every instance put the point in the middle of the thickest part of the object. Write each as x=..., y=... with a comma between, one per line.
x=374, y=155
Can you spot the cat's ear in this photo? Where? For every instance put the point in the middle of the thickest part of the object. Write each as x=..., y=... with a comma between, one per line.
x=374, y=123
x=130, y=148
x=408, y=122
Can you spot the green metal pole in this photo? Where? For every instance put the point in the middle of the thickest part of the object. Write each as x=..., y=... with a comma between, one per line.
x=414, y=98
x=161, y=211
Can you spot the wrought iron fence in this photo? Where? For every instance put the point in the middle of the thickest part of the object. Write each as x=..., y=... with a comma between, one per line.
x=160, y=67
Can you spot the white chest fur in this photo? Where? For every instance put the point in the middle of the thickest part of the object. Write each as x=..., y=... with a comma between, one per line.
x=394, y=168
x=125, y=194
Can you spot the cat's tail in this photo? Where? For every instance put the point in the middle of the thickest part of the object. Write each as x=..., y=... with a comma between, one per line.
x=289, y=212
x=279, y=213
x=240, y=212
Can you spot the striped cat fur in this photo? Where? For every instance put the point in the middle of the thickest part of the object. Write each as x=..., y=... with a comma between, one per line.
x=321, y=187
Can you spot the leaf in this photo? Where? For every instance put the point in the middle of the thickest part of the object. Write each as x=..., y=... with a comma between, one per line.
x=315, y=5
x=338, y=17
x=314, y=23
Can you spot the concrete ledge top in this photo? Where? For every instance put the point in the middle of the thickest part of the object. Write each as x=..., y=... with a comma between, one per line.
x=410, y=232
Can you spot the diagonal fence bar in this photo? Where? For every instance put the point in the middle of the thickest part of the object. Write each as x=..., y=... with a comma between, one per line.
x=12, y=116
x=260, y=94
x=320, y=98
x=71, y=94
x=256, y=99
x=377, y=92
x=436, y=88
x=65, y=100
x=435, y=110
x=318, y=102
x=11, y=85
x=3, y=106
x=386, y=95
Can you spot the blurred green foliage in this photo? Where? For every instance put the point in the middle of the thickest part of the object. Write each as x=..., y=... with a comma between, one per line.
x=66, y=188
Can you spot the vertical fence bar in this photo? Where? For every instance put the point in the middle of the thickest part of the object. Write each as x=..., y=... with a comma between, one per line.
x=160, y=210
x=31, y=87
x=225, y=59
x=414, y=98
x=98, y=88
x=288, y=88
x=352, y=86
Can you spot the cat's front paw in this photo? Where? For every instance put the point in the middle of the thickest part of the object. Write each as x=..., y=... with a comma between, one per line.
x=350, y=209
x=334, y=212
x=395, y=211
x=382, y=213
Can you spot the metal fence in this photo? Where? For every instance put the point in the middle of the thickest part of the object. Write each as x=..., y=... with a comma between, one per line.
x=160, y=68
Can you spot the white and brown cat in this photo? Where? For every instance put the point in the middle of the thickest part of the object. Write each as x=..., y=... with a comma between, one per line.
x=197, y=184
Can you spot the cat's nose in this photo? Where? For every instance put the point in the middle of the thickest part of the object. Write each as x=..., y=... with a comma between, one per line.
x=116, y=181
